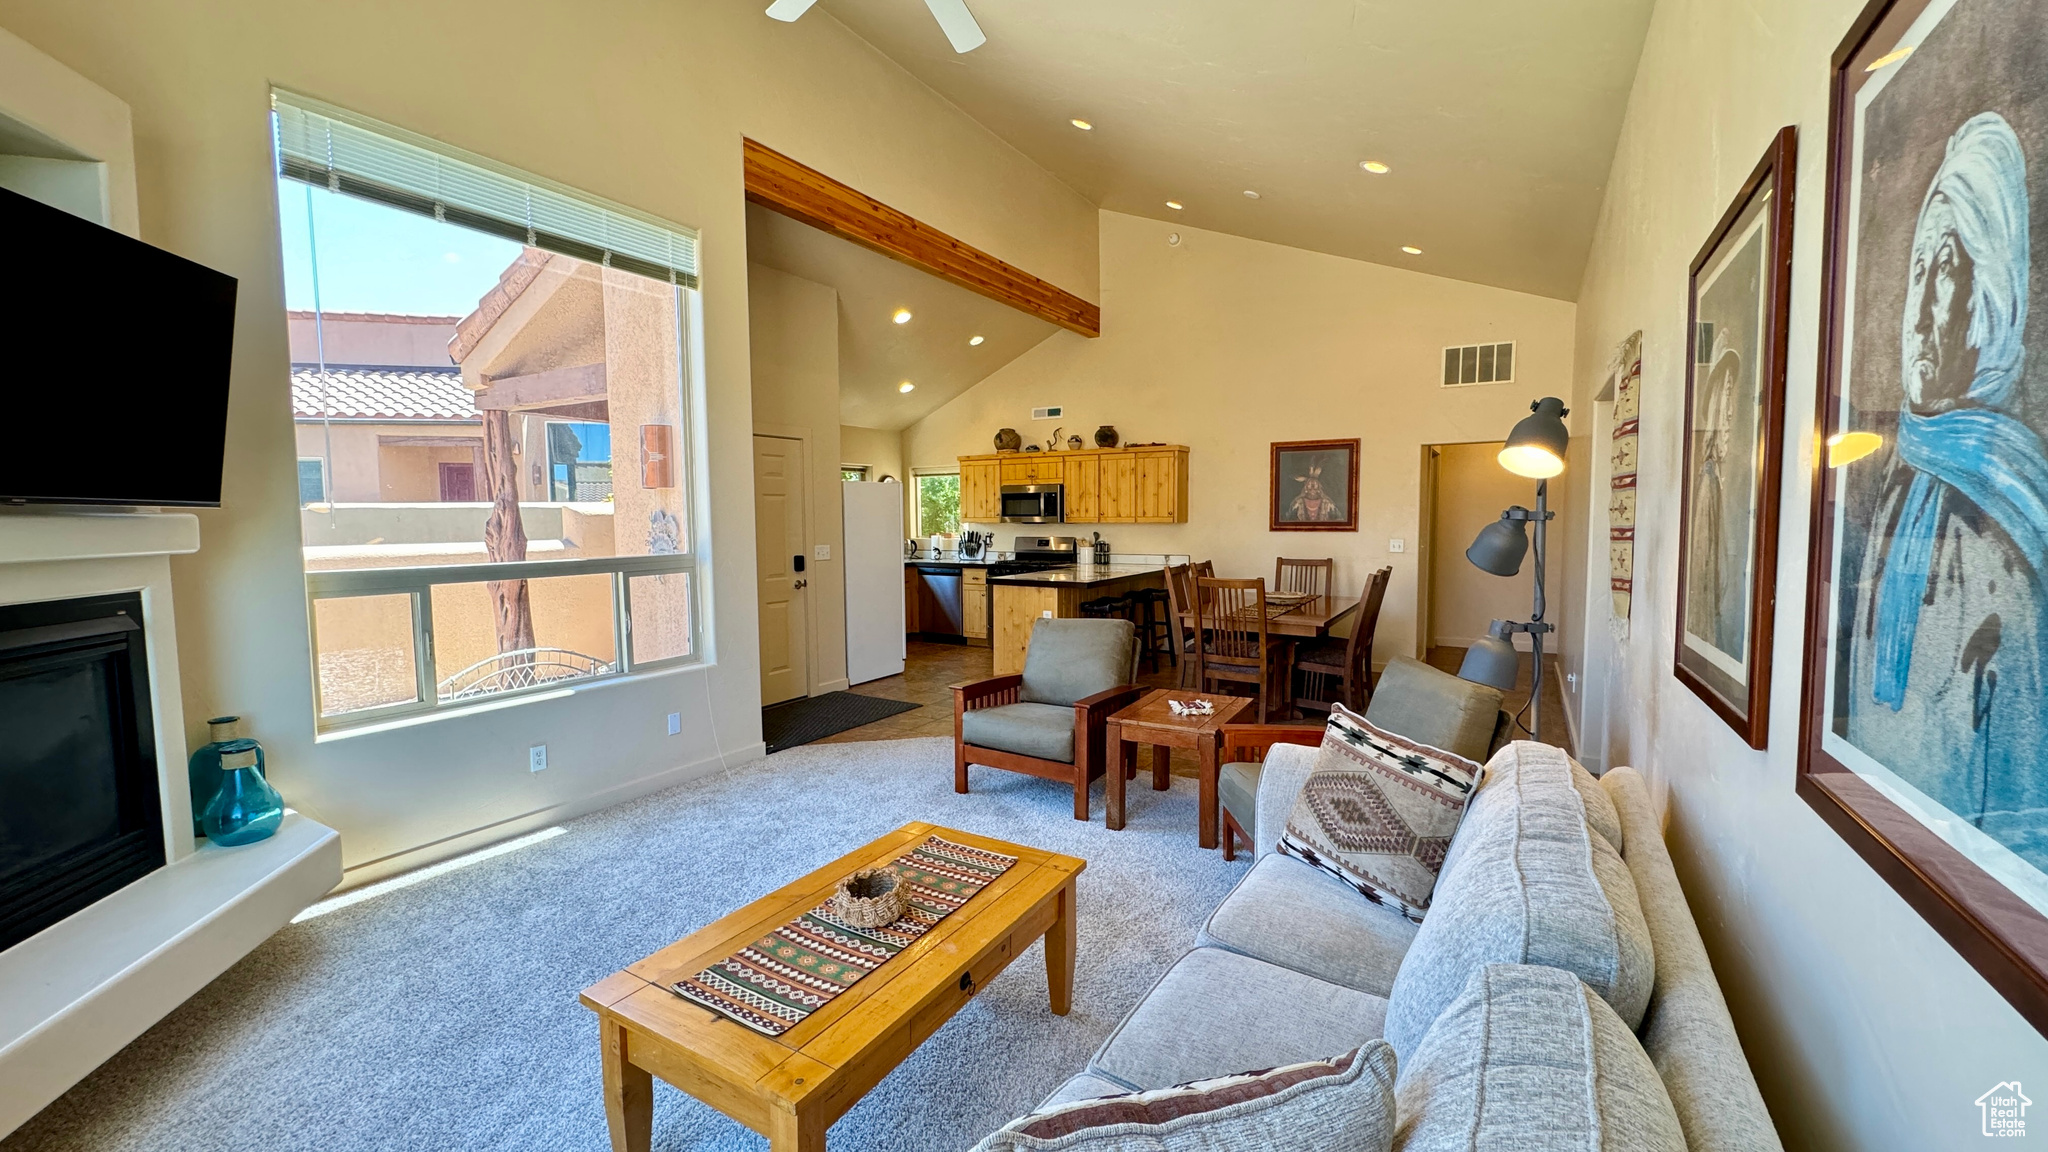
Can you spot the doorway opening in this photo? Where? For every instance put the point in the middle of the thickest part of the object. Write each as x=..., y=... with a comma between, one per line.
x=1464, y=489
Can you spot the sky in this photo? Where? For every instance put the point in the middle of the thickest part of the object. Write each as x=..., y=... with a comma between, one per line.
x=375, y=258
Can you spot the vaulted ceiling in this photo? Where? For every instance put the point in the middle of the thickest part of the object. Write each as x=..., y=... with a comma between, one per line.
x=1497, y=119
x=876, y=354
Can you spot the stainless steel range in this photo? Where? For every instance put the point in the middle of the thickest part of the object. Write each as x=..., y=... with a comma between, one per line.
x=1038, y=554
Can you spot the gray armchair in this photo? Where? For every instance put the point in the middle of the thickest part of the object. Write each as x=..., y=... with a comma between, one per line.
x=1051, y=719
x=1424, y=704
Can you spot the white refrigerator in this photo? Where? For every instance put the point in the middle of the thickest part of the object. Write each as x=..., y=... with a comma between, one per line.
x=874, y=580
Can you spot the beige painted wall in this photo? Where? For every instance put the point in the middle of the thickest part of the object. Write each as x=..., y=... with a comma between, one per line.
x=650, y=112
x=1865, y=1029
x=1472, y=489
x=881, y=451
x=795, y=326
x=1225, y=345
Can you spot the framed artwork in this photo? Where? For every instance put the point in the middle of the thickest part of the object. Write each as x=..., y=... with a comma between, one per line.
x=1926, y=680
x=1315, y=486
x=1734, y=448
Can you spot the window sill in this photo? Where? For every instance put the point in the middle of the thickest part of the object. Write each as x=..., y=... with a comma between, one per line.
x=457, y=712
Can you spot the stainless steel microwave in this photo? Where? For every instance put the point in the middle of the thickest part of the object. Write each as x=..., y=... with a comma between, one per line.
x=1034, y=503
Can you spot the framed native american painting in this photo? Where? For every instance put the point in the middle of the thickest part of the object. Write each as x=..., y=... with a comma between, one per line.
x=1734, y=448
x=1924, y=740
x=1315, y=486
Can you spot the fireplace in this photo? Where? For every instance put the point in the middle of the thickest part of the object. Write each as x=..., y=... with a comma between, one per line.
x=80, y=815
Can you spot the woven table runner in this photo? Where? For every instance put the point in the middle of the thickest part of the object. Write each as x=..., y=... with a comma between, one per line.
x=773, y=984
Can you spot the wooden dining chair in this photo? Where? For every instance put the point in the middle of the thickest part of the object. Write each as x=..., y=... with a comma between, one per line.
x=1340, y=668
x=1312, y=576
x=1180, y=599
x=1234, y=644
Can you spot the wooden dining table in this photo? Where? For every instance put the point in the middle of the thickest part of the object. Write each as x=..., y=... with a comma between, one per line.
x=1308, y=618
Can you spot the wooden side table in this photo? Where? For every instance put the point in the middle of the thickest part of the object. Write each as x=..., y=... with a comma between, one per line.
x=1150, y=721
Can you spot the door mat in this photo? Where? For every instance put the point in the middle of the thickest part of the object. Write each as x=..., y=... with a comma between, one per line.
x=775, y=983
x=795, y=722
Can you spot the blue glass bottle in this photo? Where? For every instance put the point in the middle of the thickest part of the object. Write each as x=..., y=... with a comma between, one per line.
x=245, y=808
x=203, y=770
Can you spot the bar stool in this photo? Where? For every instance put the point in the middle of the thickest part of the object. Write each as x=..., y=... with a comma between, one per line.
x=1104, y=608
x=1155, y=635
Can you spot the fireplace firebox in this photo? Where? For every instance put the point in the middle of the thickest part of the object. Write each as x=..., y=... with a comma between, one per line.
x=80, y=815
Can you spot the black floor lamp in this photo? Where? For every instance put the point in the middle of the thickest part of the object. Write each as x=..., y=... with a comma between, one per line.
x=1534, y=449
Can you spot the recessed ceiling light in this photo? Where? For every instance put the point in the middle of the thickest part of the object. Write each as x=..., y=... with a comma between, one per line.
x=975, y=340
x=906, y=386
x=1374, y=167
x=1174, y=204
x=1889, y=58
x=1411, y=249
x=1083, y=125
x=902, y=316
x=1250, y=195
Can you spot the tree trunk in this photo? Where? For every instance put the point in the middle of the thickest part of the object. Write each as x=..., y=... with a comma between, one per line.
x=504, y=535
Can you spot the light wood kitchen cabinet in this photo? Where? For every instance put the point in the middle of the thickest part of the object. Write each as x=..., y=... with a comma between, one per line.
x=1103, y=485
x=1162, y=487
x=1119, y=490
x=974, y=606
x=1046, y=469
x=981, y=490
x=1082, y=475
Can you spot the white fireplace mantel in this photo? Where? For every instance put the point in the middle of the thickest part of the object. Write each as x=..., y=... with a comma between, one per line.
x=77, y=992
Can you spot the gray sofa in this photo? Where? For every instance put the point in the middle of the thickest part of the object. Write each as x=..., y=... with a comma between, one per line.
x=1295, y=966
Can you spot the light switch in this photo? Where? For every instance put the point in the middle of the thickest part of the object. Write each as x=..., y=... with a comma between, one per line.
x=822, y=552
x=1397, y=545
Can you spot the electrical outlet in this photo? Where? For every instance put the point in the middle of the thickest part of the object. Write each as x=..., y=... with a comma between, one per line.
x=1397, y=545
x=822, y=552
x=1047, y=614
x=675, y=723
x=537, y=758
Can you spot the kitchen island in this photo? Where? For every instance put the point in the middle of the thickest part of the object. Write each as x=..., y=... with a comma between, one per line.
x=1026, y=596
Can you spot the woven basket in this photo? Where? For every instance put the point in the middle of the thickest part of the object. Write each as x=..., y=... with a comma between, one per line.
x=870, y=898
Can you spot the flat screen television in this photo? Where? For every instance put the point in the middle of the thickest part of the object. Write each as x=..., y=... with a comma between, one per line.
x=113, y=365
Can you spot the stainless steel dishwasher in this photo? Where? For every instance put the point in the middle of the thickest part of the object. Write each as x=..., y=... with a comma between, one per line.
x=938, y=603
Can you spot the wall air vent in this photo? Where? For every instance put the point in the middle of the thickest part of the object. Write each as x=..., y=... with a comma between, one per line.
x=1052, y=413
x=1479, y=364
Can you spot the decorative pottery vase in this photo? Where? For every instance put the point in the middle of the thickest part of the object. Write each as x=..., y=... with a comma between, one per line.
x=245, y=808
x=203, y=770
x=1073, y=443
x=1105, y=436
x=1007, y=440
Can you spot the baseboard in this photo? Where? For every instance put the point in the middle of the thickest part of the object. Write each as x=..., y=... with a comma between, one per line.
x=462, y=843
x=839, y=685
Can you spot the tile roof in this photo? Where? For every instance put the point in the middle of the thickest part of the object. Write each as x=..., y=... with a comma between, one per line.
x=357, y=392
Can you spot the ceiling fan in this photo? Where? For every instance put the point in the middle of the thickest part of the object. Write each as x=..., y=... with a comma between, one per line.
x=953, y=17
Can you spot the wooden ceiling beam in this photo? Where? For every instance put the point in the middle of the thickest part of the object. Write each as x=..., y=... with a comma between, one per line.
x=803, y=193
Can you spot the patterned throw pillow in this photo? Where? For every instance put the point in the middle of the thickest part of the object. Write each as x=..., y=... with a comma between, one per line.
x=1378, y=812
x=1346, y=1103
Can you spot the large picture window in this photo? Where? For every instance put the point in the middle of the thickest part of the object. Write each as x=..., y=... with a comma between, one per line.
x=491, y=382
x=938, y=503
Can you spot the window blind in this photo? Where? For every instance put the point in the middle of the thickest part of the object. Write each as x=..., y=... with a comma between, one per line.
x=333, y=149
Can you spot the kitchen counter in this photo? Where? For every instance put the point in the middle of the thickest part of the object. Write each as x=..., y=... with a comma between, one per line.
x=1081, y=576
x=953, y=560
x=1018, y=602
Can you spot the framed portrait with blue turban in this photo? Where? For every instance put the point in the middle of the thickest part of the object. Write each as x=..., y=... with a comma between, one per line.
x=1924, y=740
x=1734, y=448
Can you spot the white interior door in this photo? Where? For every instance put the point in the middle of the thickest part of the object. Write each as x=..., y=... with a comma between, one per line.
x=778, y=546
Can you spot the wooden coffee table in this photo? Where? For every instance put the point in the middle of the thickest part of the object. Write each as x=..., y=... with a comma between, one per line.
x=1150, y=721
x=791, y=1087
